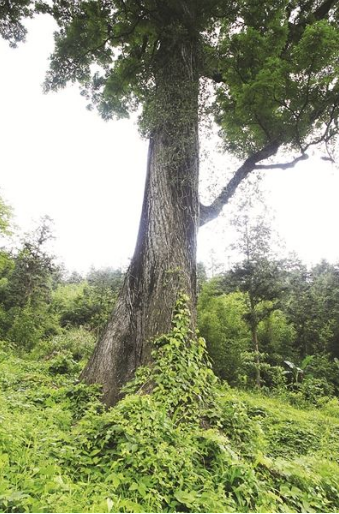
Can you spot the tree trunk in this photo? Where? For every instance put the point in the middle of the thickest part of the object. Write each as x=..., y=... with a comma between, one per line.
x=164, y=261
x=255, y=342
x=257, y=356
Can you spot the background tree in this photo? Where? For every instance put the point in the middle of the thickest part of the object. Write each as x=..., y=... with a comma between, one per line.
x=6, y=259
x=251, y=289
x=258, y=274
x=258, y=279
x=27, y=293
x=88, y=301
x=5, y=218
x=221, y=322
x=273, y=67
x=311, y=304
x=326, y=297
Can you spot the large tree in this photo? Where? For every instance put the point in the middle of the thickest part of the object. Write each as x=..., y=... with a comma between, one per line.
x=272, y=67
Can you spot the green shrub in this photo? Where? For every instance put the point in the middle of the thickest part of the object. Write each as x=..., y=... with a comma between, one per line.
x=77, y=341
x=63, y=363
x=313, y=389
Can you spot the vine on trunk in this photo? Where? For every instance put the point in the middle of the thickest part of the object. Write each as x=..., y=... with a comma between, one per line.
x=181, y=376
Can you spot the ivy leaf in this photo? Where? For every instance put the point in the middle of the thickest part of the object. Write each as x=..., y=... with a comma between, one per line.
x=185, y=497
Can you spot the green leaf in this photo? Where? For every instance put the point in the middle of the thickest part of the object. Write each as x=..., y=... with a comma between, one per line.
x=185, y=497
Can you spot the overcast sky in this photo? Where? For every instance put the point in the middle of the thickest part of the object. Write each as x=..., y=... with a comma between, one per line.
x=59, y=159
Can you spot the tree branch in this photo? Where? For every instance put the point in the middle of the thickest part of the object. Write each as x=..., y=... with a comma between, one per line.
x=297, y=29
x=324, y=9
x=282, y=165
x=209, y=212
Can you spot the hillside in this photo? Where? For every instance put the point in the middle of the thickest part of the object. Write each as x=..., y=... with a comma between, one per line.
x=178, y=441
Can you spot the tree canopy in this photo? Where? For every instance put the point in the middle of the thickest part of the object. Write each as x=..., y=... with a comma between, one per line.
x=271, y=67
x=274, y=63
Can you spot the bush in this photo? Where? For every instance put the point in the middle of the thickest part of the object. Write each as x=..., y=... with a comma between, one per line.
x=323, y=367
x=77, y=341
x=313, y=389
x=63, y=363
x=28, y=326
x=272, y=377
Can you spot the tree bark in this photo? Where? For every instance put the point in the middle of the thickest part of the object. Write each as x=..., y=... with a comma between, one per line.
x=257, y=356
x=164, y=261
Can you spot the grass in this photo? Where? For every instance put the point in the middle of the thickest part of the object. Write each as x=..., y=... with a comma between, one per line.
x=190, y=446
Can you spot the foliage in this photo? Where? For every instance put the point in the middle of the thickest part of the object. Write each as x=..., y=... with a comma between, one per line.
x=302, y=322
x=27, y=280
x=62, y=363
x=323, y=366
x=87, y=302
x=5, y=218
x=28, y=324
x=272, y=377
x=277, y=337
x=273, y=65
x=178, y=441
x=221, y=323
x=275, y=73
x=258, y=275
x=31, y=280
x=13, y=13
x=11, y=17
x=181, y=376
x=297, y=372
x=312, y=305
x=37, y=302
x=79, y=342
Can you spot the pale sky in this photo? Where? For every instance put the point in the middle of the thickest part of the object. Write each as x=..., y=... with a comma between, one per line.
x=59, y=159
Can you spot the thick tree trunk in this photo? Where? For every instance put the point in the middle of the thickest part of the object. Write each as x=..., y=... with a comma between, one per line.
x=164, y=261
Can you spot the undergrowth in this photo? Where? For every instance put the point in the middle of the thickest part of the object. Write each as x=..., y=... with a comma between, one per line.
x=178, y=441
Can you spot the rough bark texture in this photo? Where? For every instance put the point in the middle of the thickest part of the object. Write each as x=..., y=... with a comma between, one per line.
x=164, y=262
